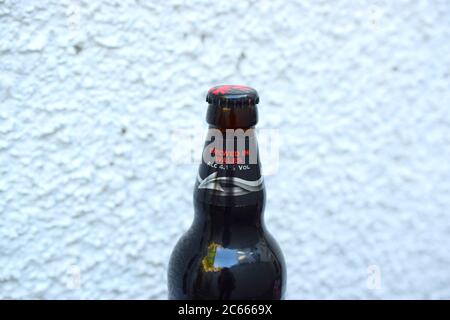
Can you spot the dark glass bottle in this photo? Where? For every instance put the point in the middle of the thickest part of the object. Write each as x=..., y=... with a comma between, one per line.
x=227, y=253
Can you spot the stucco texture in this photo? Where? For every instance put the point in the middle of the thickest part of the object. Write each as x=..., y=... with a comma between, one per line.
x=92, y=202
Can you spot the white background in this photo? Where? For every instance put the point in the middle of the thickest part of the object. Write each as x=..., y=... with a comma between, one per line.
x=91, y=203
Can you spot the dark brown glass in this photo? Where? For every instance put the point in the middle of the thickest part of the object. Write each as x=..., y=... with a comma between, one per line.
x=227, y=253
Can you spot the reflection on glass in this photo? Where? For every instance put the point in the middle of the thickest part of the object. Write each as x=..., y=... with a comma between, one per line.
x=218, y=257
x=225, y=258
x=208, y=261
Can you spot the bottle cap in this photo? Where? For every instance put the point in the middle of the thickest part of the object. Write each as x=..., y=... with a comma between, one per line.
x=232, y=96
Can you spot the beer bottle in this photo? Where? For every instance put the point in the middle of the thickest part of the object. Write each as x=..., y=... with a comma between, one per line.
x=227, y=253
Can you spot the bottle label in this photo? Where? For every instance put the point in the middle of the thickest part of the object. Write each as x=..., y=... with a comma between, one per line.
x=230, y=165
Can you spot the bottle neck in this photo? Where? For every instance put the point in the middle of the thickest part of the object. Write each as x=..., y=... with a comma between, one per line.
x=230, y=226
x=240, y=216
x=232, y=115
x=230, y=171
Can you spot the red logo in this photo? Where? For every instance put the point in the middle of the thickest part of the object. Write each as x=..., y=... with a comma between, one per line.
x=229, y=89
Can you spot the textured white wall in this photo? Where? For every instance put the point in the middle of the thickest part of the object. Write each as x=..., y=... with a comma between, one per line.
x=91, y=91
